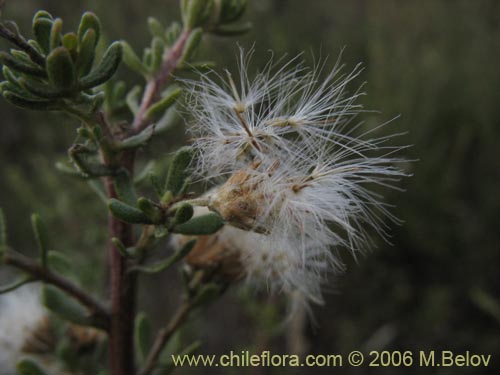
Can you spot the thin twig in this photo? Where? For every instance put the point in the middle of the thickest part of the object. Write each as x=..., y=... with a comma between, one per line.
x=157, y=84
x=164, y=335
x=22, y=44
x=34, y=269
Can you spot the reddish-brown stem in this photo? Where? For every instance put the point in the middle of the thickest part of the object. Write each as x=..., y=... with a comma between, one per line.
x=155, y=86
x=99, y=314
x=123, y=291
x=123, y=283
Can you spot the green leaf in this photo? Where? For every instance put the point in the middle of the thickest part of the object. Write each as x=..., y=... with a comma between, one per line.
x=86, y=53
x=155, y=27
x=155, y=181
x=142, y=336
x=70, y=42
x=55, y=33
x=137, y=140
x=150, y=209
x=183, y=214
x=89, y=21
x=177, y=173
x=42, y=90
x=196, y=13
x=32, y=104
x=170, y=261
x=27, y=366
x=64, y=306
x=59, y=263
x=192, y=44
x=132, y=99
x=42, y=237
x=233, y=30
x=60, y=68
x=21, y=66
x=42, y=28
x=106, y=68
x=172, y=33
x=157, y=110
x=133, y=61
x=42, y=14
x=157, y=49
x=127, y=213
x=122, y=249
x=124, y=187
x=81, y=156
x=10, y=76
x=231, y=10
x=200, y=225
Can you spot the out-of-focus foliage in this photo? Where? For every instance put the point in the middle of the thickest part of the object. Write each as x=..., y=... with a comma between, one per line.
x=434, y=62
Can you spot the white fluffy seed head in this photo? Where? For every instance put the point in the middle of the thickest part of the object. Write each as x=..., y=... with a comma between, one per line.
x=299, y=175
x=21, y=313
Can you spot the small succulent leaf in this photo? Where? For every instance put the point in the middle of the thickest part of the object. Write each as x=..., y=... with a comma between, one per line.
x=155, y=27
x=133, y=61
x=122, y=249
x=64, y=306
x=70, y=42
x=157, y=110
x=127, y=213
x=21, y=66
x=89, y=21
x=60, y=263
x=231, y=10
x=157, y=49
x=32, y=104
x=157, y=185
x=150, y=209
x=177, y=172
x=142, y=336
x=197, y=11
x=42, y=14
x=124, y=187
x=42, y=237
x=86, y=53
x=132, y=99
x=42, y=28
x=42, y=90
x=200, y=225
x=172, y=33
x=61, y=69
x=105, y=69
x=138, y=140
x=55, y=33
x=183, y=214
x=233, y=30
x=192, y=45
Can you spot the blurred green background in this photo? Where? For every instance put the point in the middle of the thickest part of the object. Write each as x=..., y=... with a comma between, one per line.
x=437, y=63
